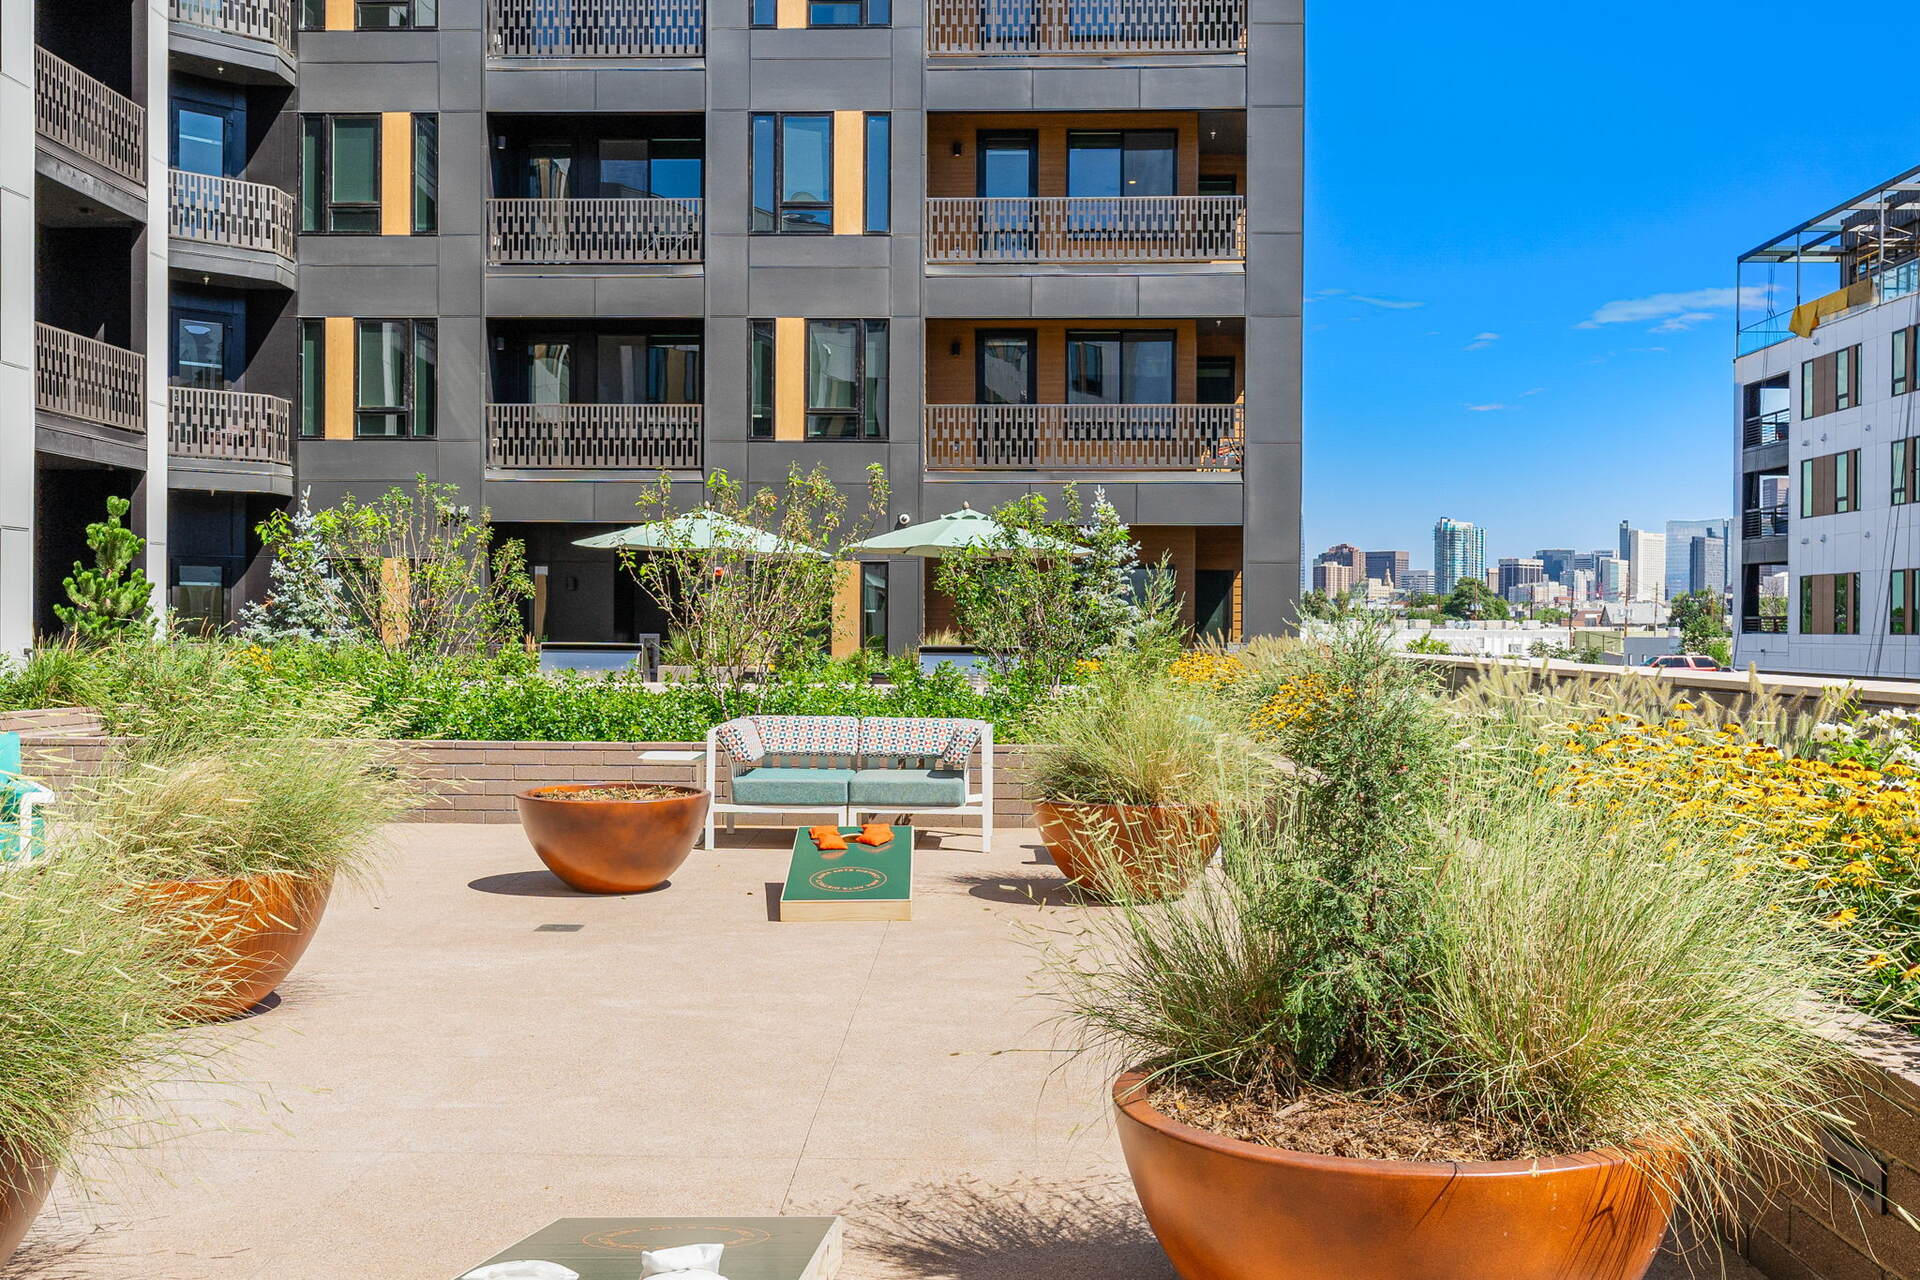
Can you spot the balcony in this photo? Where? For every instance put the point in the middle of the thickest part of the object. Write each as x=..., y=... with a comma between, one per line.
x=90, y=380
x=270, y=20
x=594, y=437
x=1766, y=428
x=1764, y=522
x=1764, y=624
x=540, y=232
x=1085, y=437
x=974, y=28
x=229, y=426
x=1087, y=229
x=89, y=119
x=227, y=211
x=596, y=28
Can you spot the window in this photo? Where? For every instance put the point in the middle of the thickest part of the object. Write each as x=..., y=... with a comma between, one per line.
x=849, y=13
x=394, y=378
x=1830, y=383
x=763, y=13
x=1219, y=184
x=1830, y=604
x=313, y=15
x=376, y=15
x=1213, y=380
x=793, y=173
x=340, y=164
x=873, y=606
x=846, y=379
x=340, y=174
x=1120, y=162
x=760, y=381
x=1903, y=610
x=313, y=377
x=1121, y=366
x=1830, y=484
x=1905, y=355
x=879, y=172
x=426, y=173
x=1906, y=471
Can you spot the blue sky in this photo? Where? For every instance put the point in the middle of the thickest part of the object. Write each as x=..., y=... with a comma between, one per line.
x=1522, y=222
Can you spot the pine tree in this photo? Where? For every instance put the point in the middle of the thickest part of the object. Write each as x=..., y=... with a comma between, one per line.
x=115, y=596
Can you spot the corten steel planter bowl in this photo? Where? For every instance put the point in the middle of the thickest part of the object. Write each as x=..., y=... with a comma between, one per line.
x=23, y=1189
x=253, y=930
x=1157, y=848
x=612, y=846
x=1230, y=1210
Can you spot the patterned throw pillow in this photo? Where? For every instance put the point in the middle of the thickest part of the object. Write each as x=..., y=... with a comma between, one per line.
x=809, y=741
x=959, y=749
x=741, y=740
x=895, y=742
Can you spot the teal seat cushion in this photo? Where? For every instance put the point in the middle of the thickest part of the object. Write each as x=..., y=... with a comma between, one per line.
x=909, y=788
x=771, y=784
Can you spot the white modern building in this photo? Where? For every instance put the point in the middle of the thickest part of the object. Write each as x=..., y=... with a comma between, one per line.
x=1825, y=438
x=1646, y=556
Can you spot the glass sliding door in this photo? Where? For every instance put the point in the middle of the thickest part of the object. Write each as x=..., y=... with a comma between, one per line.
x=1009, y=174
x=1005, y=373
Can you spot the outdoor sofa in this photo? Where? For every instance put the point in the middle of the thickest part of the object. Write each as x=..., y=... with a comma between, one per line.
x=846, y=766
x=21, y=825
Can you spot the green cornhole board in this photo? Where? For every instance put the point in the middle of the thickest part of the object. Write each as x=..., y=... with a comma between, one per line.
x=757, y=1248
x=861, y=884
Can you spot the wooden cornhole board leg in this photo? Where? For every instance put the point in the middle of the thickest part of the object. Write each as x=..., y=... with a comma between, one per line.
x=863, y=883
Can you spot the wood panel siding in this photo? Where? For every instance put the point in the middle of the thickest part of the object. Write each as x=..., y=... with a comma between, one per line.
x=951, y=380
x=789, y=378
x=849, y=173
x=958, y=175
x=396, y=173
x=337, y=417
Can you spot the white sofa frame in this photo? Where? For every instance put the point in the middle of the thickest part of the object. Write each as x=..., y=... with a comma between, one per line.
x=978, y=803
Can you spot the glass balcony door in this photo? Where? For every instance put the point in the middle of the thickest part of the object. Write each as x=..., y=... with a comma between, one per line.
x=1006, y=369
x=1009, y=171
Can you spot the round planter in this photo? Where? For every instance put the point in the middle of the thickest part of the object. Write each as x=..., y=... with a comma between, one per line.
x=1230, y=1210
x=253, y=930
x=612, y=846
x=1159, y=848
x=23, y=1189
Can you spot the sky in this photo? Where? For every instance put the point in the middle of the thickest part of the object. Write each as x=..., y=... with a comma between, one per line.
x=1522, y=222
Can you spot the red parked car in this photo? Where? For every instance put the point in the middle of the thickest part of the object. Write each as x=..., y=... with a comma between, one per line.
x=1682, y=662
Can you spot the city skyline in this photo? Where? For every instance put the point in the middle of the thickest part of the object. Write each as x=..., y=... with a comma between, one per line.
x=1547, y=348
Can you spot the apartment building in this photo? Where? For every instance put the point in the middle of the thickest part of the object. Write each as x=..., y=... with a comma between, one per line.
x=545, y=250
x=1827, y=441
x=1459, y=551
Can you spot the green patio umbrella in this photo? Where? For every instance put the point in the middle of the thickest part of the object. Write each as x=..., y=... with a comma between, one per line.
x=703, y=528
x=956, y=530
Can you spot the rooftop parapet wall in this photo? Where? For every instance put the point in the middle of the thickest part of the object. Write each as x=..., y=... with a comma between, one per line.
x=1734, y=689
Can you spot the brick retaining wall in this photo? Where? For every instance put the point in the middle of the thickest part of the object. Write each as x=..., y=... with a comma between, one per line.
x=1832, y=1232
x=476, y=781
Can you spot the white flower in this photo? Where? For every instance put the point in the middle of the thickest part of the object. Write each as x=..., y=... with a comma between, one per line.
x=1828, y=731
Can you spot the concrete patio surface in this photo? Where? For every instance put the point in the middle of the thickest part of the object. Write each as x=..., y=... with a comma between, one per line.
x=443, y=1076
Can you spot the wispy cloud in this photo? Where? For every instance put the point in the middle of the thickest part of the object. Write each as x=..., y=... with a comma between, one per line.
x=1486, y=408
x=1678, y=310
x=1391, y=304
x=1481, y=340
x=1533, y=391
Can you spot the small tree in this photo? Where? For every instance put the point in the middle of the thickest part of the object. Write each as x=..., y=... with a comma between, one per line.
x=1041, y=594
x=411, y=570
x=1703, y=625
x=732, y=609
x=1471, y=599
x=303, y=599
x=114, y=597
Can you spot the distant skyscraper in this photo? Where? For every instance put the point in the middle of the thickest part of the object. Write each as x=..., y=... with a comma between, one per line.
x=1388, y=566
x=1419, y=582
x=1609, y=576
x=1646, y=565
x=1459, y=551
x=1335, y=577
x=1554, y=562
x=1515, y=573
x=1707, y=564
x=1680, y=536
x=1347, y=554
x=1579, y=585
x=1625, y=551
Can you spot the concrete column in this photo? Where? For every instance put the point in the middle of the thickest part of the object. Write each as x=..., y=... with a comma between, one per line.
x=150, y=326
x=16, y=326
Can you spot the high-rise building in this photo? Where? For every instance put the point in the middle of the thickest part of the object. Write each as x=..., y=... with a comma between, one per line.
x=1418, y=582
x=1609, y=577
x=1335, y=577
x=1579, y=585
x=546, y=252
x=1555, y=561
x=1646, y=565
x=1347, y=554
x=1516, y=572
x=1625, y=549
x=1388, y=566
x=1680, y=536
x=1707, y=564
x=1459, y=551
x=1824, y=452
